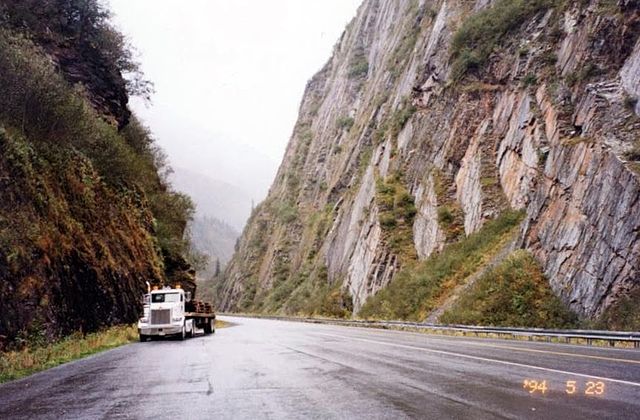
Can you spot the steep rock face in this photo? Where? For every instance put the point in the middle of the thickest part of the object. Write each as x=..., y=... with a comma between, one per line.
x=544, y=125
x=75, y=254
x=86, y=218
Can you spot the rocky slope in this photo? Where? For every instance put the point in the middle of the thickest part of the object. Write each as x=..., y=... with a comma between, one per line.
x=433, y=117
x=86, y=219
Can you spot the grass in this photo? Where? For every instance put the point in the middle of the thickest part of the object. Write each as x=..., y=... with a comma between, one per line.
x=286, y=212
x=450, y=214
x=358, y=66
x=222, y=324
x=529, y=80
x=17, y=364
x=623, y=315
x=396, y=121
x=344, y=123
x=513, y=294
x=451, y=220
x=479, y=87
x=396, y=213
x=482, y=32
x=419, y=288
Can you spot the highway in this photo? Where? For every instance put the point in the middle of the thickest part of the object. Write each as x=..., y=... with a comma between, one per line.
x=264, y=369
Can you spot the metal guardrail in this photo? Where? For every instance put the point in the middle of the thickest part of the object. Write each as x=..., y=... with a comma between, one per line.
x=566, y=336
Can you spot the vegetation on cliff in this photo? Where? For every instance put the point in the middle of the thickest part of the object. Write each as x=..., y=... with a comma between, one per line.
x=418, y=289
x=479, y=34
x=86, y=215
x=513, y=294
x=396, y=213
x=88, y=50
x=623, y=315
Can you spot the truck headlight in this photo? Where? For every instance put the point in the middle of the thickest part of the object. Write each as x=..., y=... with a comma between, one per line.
x=144, y=320
x=176, y=319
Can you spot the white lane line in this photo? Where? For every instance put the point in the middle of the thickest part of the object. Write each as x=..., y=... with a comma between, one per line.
x=484, y=359
x=556, y=353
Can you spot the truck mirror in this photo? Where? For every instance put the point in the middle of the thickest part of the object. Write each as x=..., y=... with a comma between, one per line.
x=188, y=296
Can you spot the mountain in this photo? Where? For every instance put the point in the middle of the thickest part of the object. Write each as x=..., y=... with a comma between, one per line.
x=462, y=161
x=86, y=219
x=213, y=198
x=221, y=211
x=213, y=238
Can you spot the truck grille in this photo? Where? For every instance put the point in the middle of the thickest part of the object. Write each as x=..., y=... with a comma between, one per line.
x=160, y=316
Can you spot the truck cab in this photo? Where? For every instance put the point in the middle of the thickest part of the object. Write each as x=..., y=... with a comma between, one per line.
x=164, y=315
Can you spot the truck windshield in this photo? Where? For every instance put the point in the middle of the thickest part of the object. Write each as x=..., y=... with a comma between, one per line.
x=165, y=297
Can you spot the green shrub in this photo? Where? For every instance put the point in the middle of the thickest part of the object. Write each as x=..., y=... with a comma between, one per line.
x=358, y=67
x=286, y=213
x=549, y=58
x=513, y=294
x=85, y=27
x=344, y=123
x=336, y=302
x=450, y=214
x=417, y=289
x=529, y=80
x=249, y=294
x=172, y=211
x=482, y=32
x=396, y=122
x=396, y=211
x=445, y=216
x=400, y=117
x=623, y=315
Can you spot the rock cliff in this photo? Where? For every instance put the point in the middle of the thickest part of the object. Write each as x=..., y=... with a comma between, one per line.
x=86, y=218
x=458, y=111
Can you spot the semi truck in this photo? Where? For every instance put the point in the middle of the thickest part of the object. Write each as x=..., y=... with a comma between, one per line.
x=171, y=312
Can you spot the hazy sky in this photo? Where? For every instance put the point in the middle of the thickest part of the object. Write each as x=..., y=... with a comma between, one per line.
x=229, y=76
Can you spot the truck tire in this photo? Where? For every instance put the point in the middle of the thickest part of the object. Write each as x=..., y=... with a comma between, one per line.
x=143, y=338
x=207, y=327
x=183, y=333
x=190, y=333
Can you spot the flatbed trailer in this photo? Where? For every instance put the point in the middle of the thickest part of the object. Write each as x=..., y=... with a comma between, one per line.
x=204, y=321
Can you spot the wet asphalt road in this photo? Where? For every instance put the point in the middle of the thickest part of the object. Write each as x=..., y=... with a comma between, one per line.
x=274, y=369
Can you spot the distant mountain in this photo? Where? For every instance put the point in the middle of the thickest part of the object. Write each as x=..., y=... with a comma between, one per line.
x=213, y=198
x=221, y=212
x=215, y=239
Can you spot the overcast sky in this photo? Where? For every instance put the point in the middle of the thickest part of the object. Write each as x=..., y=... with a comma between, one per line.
x=229, y=76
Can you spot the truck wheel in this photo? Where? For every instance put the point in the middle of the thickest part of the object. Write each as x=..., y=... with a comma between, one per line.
x=183, y=333
x=190, y=333
x=207, y=327
x=143, y=338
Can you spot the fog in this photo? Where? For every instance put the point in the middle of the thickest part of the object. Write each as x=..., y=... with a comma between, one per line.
x=229, y=76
